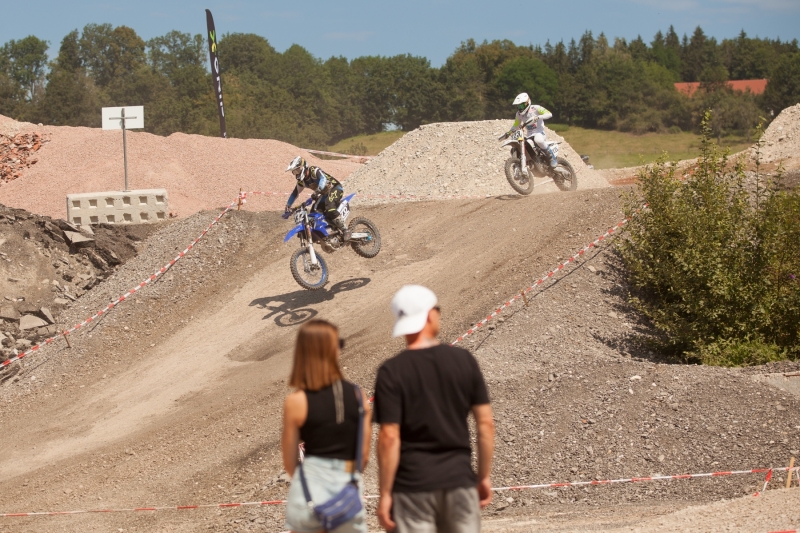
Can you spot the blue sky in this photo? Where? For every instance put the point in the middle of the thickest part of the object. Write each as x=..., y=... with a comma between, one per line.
x=430, y=28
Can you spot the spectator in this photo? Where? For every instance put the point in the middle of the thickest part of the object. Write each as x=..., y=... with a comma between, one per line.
x=323, y=412
x=423, y=396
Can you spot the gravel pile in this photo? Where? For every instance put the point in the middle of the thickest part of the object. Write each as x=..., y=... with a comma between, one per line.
x=781, y=141
x=15, y=154
x=198, y=172
x=43, y=270
x=578, y=396
x=458, y=158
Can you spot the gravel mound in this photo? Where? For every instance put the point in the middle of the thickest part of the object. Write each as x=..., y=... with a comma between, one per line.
x=459, y=158
x=198, y=172
x=781, y=141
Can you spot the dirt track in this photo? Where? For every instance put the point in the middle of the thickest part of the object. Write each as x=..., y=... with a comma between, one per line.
x=183, y=406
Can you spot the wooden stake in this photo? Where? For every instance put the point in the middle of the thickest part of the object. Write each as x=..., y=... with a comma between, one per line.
x=67, y=339
x=239, y=204
x=524, y=298
x=789, y=473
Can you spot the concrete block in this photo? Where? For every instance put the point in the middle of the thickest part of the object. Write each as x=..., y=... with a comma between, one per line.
x=115, y=207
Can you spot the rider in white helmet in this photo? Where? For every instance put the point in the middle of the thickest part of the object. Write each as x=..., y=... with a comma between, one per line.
x=532, y=117
x=327, y=189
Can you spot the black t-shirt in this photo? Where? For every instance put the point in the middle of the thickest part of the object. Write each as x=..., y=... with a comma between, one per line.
x=430, y=392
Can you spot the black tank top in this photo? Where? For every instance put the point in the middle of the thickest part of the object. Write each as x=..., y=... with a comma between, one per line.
x=322, y=435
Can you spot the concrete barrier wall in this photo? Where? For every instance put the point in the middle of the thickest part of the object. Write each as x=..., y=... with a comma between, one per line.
x=115, y=207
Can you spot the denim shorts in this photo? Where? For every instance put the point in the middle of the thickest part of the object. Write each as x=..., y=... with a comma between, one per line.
x=325, y=478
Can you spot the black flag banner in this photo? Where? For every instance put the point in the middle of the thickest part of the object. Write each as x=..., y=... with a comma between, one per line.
x=215, y=73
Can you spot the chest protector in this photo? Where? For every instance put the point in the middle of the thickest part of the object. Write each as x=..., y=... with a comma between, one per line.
x=309, y=179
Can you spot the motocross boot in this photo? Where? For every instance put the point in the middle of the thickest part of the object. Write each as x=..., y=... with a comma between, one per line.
x=553, y=159
x=339, y=223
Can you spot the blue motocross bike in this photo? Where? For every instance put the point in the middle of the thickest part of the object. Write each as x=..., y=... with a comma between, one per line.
x=308, y=268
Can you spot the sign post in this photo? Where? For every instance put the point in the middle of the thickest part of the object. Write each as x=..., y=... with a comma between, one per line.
x=133, y=119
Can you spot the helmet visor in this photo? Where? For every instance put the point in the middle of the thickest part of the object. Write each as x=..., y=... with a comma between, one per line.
x=523, y=106
x=297, y=171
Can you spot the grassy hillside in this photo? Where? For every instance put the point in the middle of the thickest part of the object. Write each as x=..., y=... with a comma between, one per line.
x=366, y=144
x=615, y=149
x=606, y=149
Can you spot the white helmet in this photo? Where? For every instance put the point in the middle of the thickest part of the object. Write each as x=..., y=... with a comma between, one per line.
x=522, y=102
x=297, y=166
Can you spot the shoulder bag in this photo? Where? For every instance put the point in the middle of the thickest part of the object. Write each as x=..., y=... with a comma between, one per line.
x=345, y=505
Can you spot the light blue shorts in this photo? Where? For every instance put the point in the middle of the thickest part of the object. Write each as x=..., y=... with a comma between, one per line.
x=325, y=478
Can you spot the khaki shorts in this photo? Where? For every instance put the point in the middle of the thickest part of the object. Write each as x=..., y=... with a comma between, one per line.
x=439, y=511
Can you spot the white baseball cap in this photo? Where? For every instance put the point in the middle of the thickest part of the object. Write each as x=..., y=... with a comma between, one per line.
x=411, y=305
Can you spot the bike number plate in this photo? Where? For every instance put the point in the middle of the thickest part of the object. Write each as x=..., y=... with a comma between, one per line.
x=518, y=136
x=298, y=217
x=344, y=210
x=555, y=148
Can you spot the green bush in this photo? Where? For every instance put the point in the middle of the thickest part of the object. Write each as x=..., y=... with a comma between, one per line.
x=714, y=260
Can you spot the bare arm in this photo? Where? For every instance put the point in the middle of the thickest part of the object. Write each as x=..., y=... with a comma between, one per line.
x=295, y=411
x=388, y=460
x=367, y=432
x=485, y=425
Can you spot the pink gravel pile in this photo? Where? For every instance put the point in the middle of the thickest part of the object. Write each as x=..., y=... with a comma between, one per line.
x=198, y=172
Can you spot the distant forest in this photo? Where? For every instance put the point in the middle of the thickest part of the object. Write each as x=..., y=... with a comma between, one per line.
x=295, y=97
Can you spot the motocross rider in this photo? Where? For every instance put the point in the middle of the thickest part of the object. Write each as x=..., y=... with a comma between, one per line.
x=532, y=117
x=327, y=190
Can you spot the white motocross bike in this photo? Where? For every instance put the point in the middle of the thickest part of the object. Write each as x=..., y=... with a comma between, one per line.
x=532, y=161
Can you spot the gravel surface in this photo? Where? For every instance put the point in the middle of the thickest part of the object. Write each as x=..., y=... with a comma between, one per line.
x=453, y=158
x=781, y=141
x=198, y=172
x=570, y=380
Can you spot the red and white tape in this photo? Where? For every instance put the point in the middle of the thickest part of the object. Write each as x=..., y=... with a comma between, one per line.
x=373, y=497
x=119, y=300
x=541, y=280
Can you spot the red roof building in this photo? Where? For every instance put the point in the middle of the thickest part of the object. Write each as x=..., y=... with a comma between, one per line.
x=754, y=86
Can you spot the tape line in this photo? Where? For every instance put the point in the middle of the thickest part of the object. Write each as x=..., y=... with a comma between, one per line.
x=373, y=497
x=122, y=298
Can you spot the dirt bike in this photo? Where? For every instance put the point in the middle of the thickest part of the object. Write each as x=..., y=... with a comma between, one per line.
x=309, y=269
x=523, y=165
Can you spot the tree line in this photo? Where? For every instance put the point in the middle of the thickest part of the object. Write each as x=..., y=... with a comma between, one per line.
x=298, y=98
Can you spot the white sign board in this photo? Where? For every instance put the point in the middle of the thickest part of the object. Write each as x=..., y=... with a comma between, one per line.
x=134, y=117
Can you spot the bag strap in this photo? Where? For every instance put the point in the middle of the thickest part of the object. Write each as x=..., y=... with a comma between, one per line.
x=359, y=448
x=359, y=433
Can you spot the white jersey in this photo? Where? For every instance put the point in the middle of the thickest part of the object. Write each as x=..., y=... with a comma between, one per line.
x=527, y=119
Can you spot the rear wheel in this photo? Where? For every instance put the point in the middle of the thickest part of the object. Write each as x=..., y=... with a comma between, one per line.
x=369, y=245
x=564, y=176
x=311, y=277
x=518, y=181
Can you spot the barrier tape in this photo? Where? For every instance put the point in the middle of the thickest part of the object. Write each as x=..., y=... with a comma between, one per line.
x=119, y=300
x=373, y=497
x=523, y=292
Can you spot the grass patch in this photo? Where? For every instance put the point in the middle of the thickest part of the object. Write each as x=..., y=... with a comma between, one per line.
x=366, y=144
x=616, y=149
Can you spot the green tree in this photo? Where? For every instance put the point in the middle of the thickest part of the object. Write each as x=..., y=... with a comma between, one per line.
x=25, y=63
x=71, y=98
x=526, y=74
x=783, y=88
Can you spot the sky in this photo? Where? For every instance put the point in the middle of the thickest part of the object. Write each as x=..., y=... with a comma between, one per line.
x=429, y=28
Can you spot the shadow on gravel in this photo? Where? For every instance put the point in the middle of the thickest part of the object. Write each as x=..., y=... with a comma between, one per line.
x=637, y=343
x=509, y=197
x=294, y=308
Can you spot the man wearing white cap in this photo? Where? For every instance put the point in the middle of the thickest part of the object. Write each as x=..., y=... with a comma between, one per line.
x=423, y=397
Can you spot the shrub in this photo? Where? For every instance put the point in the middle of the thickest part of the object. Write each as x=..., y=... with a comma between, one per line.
x=714, y=261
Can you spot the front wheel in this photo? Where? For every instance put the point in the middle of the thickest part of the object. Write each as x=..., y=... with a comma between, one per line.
x=311, y=277
x=564, y=176
x=518, y=181
x=365, y=238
